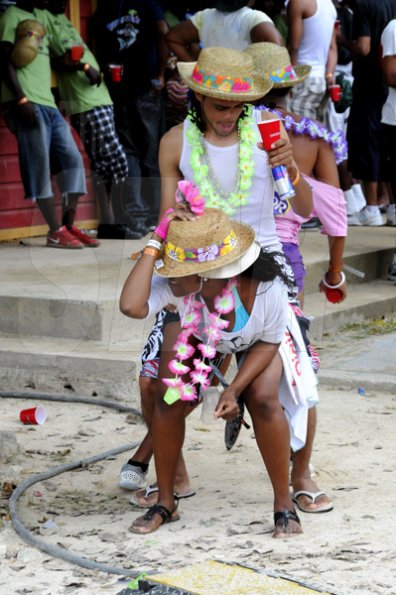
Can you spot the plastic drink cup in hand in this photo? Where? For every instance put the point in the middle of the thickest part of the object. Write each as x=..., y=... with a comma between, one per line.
x=335, y=93
x=333, y=295
x=269, y=132
x=210, y=399
x=76, y=53
x=115, y=72
x=337, y=25
x=34, y=416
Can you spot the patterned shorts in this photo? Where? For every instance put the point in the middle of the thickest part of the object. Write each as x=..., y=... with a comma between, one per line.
x=309, y=98
x=96, y=129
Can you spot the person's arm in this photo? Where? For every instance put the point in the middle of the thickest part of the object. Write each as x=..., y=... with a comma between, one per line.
x=332, y=59
x=162, y=54
x=180, y=39
x=295, y=27
x=389, y=70
x=169, y=158
x=359, y=47
x=266, y=32
x=65, y=64
x=258, y=358
x=24, y=108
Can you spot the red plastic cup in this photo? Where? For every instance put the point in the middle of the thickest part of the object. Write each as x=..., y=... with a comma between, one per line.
x=335, y=92
x=76, y=53
x=35, y=416
x=115, y=72
x=269, y=132
x=337, y=25
x=333, y=295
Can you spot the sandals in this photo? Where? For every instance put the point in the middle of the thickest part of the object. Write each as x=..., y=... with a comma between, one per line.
x=167, y=516
x=233, y=426
x=313, y=496
x=136, y=499
x=282, y=518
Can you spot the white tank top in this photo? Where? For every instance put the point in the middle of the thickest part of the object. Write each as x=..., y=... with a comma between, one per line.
x=258, y=212
x=316, y=37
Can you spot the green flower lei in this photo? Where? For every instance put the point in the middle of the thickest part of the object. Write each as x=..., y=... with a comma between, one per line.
x=204, y=176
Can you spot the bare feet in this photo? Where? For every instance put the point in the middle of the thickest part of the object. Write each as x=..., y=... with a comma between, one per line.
x=287, y=524
x=314, y=500
x=156, y=516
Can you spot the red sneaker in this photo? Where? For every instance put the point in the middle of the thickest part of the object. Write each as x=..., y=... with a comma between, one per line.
x=84, y=238
x=62, y=238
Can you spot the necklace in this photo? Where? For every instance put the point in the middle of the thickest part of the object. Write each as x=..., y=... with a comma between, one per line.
x=203, y=172
x=210, y=337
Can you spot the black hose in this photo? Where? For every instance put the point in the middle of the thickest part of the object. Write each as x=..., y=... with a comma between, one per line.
x=38, y=542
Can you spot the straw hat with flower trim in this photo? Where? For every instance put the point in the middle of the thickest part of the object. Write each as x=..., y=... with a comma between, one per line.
x=272, y=63
x=212, y=245
x=224, y=73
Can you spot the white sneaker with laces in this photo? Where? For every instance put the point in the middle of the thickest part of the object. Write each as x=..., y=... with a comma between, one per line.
x=369, y=218
x=354, y=219
x=131, y=477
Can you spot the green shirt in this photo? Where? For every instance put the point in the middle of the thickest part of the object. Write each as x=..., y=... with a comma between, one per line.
x=35, y=78
x=75, y=92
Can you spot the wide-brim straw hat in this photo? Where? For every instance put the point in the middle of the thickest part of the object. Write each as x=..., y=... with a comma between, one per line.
x=272, y=63
x=211, y=242
x=224, y=73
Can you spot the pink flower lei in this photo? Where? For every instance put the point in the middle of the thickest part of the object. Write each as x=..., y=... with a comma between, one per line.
x=211, y=335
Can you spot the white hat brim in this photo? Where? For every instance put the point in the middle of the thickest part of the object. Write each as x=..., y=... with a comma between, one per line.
x=235, y=268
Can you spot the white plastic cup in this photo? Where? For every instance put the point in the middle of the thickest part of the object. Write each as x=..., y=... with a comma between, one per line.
x=210, y=398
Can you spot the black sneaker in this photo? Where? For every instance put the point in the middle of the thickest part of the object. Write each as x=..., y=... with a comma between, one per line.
x=116, y=231
x=312, y=225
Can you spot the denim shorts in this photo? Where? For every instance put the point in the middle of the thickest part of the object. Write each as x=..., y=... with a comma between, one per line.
x=50, y=145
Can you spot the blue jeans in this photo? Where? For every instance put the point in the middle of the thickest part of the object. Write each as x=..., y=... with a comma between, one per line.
x=48, y=144
x=140, y=123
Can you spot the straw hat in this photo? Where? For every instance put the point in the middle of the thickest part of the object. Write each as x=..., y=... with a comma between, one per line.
x=206, y=245
x=272, y=62
x=225, y=74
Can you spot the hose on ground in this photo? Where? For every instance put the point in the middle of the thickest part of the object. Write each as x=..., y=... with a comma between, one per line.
x=28, y=536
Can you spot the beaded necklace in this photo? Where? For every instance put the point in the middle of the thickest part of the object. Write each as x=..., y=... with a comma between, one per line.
x=204, y=175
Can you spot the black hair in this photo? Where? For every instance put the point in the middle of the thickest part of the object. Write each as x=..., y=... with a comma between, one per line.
x=195, y=113
x=267, y=267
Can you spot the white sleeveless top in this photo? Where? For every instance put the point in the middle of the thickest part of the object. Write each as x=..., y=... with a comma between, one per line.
x=316, y=37
x=258, y=212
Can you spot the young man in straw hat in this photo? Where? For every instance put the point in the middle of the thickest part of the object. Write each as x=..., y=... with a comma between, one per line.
x=217, y=147
x=317, y=152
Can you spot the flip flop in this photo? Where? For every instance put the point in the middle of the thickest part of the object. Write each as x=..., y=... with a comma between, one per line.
x=154, y=489
x=313, y=496
x=167, y=516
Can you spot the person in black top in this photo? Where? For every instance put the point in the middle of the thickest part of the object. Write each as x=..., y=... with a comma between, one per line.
x=130, y=34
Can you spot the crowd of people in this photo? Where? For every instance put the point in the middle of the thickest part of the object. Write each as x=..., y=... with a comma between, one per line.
x=168, y=103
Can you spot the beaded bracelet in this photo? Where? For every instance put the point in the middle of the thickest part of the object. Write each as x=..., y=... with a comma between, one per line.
x=334, y=286
x=296, y=179
x=151, y=251
x=154, y=244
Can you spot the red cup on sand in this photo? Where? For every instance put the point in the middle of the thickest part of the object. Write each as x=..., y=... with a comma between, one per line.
x=115, y=72
x=35, y=416
x=335, y=93
x=76, y=53
x=269, y=132
x=333, y=295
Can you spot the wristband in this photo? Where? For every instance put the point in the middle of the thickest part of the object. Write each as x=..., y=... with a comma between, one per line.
x=162, y=228
x=334, y=286
x=86, y=67
x=329, y=75
x=151, y=251
x=296, y=179
x=22, y=101
x=154, y=244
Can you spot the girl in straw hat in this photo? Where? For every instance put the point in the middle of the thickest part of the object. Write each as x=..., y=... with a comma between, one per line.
x=217, y=147
x=232, y=298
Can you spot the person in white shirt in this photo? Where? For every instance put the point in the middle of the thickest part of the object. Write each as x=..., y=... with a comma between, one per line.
x=388, y=43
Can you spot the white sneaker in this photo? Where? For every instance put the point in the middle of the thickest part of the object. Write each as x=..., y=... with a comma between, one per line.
x=354, y=219
x=371, y=219
x=391, y=216
x=131, y=477
x=360, y=199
